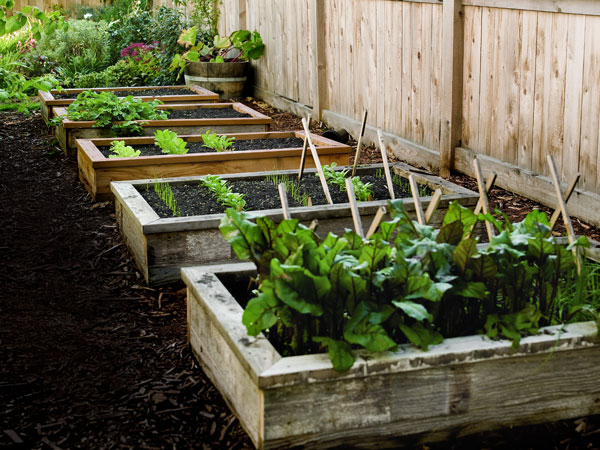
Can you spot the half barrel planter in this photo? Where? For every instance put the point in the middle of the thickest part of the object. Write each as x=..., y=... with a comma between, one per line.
x=161, y=246
x=96, y=171
x=386, y=400
x=70, y=130
x=188, y=94
x=226, y=79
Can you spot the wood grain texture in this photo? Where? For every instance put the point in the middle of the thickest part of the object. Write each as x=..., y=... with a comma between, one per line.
x=462, y=386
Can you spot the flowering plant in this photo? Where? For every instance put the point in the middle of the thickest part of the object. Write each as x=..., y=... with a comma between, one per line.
x=27, y=45
x=141, y=52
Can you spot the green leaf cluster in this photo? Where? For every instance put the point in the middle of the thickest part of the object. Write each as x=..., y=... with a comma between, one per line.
x=121, y=115
x=121, y=150
x=222, y=192
x=406, y=283
x=362, y=191
x=170, y=143
x=218, y=143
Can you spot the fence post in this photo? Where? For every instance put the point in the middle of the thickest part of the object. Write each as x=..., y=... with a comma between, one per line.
x=452, y=82
x=317, y=30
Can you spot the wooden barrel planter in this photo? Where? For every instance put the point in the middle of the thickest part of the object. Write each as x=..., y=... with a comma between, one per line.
x=96, y=171
x=394, y=399
x=226, y=79
x=70, y=130
x=166, y=94
x=161, y=246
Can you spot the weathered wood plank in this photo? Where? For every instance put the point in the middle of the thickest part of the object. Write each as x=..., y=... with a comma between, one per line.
x=588, y=7
x=527, y=43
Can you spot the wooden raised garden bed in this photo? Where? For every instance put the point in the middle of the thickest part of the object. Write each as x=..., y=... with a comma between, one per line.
x=96, y=170
x=253, y=121
x=161, y=246
x=167, y=94
x=461, y=386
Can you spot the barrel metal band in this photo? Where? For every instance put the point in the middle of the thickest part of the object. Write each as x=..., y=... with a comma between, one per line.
x=214, y=80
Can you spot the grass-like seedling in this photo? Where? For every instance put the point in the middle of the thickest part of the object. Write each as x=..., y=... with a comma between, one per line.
x=292, y=187
x=222, y=192
x=121, y=150
x=165, y=193
x=362, y=191
x=170, y=143
x=216, y=142
x=403, y=183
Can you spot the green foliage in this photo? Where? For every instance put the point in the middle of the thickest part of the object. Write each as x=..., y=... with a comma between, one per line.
x=362, y=191
x=16, y=89
x=121, y=150
x=406, y=283
x=292, y=187
x=165, y=193
x=170, y=143
x=222, y=192
x=126, y=72
x=219, y=143
x=121, y=115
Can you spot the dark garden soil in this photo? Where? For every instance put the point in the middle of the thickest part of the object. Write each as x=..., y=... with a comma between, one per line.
x=137, y=93
x=91, y=358
x=207, y=113
x=193, y=199
x=240, y=145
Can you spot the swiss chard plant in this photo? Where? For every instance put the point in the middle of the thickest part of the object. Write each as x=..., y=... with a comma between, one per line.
x=170, y=143
x=120, y=150
x=218, y=143
x=124, y=116
x=222, y=192
x=362, y=191
x=406, y=283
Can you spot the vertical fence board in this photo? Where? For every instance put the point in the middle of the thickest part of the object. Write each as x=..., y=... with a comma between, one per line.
x=471, y=76
x=542, y=91
x=527, y=61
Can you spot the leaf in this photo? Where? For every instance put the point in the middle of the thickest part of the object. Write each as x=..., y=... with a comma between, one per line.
x=298, y=288
x=260, y=312
x=464, y=252
x=414, y=310
x=239, y=37
x=14, y=23
x=244, y=236
x=475, y=289
x=364, y=329
x=221, y=41
x=187, y=37
x=450, y=233
x=340, y=353
x=458, y=212
x=421, y=336
x=483, y=266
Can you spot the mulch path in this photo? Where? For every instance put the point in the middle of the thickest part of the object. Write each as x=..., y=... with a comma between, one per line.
x=91, y=357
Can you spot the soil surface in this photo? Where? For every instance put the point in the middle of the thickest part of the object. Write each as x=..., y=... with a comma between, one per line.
x=207, y=113
x=198, y=147
x=94, y=359
x=138, y=93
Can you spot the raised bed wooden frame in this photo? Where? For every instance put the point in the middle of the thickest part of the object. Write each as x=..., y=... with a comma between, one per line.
x=70, y=130
x=404, y=398
x=49, y=101
x=97, y=171
x=162, y=246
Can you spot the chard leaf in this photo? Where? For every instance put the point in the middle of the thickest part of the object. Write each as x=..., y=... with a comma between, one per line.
x=483, y=266
x=464, y=252
x=298, y=288
x=421, y=336
x=340, y=353
x=451, y=233
x=458, y=212
x=260, y=313
x=414, y=310
x=244, y=236
x=364, y=329
x=475, y=289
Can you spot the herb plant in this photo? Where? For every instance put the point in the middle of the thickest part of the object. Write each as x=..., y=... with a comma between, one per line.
x=222, y=192
x=406, y=283
x=170, y=143
x=121, y=150
x=217, y=143
x=121, y=115
x=362, y=191
x=165, y=193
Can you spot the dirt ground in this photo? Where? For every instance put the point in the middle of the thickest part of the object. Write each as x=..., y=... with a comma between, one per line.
x=91, y=358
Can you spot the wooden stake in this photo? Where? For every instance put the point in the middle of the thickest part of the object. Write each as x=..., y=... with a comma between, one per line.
x=379, y=215
x=359, y=143
x=315, y=156
x=386, y=165
x=563, y=209
x=483, y=197
x=488, y=187
x=415, y=195
x=433, y=205
x=314, y=224
x=284, y=201
x=567, y=196
x=303, y=155
x=354, y=209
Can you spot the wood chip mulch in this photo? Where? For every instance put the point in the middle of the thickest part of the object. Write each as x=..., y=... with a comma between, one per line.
x=91, y=357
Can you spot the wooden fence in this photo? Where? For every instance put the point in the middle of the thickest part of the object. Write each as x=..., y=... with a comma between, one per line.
x=509, y=80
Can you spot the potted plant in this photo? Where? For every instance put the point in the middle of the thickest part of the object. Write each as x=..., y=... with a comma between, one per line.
x=219, y=65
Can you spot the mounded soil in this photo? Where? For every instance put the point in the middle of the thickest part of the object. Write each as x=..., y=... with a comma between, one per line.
x=92, y=358
x=207, y=113
x=137, y=93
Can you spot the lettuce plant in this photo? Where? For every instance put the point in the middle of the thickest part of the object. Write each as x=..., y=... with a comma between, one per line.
x=170, y=143
x=121, y=150
x=362, y=191
x=217, y=143
x=222, y=192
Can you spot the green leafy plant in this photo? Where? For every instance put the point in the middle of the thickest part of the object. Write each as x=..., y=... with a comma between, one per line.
x=218, y=143
x=292, y=187
x=406, y=283
x=241, y=45
x=222, y=192
x=362, y=191
x=165, y=193
x=121, y=150
x=121, y=115
x=170, y=143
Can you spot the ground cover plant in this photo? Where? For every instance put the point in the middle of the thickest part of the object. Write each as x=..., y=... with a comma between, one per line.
x=120, y=150
x=218, y=143
x=170, y=143
x=407, y=282
x=121, y=115
x=362, y=191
